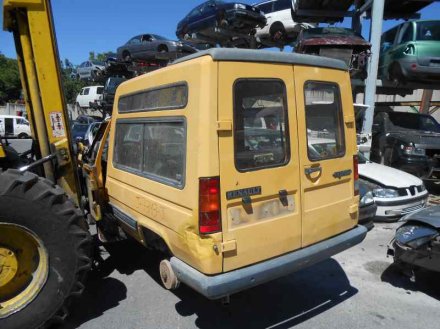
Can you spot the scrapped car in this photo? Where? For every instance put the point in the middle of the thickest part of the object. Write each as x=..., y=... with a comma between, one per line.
x=407, y=141
x=79, y=131
x=339, y=43
x=87, y=95
x=233, y=16
x=411, y=52
x=149, y=46
x=89, y=70
x=280, y=25
x=416, y=243
x=395, y=192
x=367, y=207
x=14, y=126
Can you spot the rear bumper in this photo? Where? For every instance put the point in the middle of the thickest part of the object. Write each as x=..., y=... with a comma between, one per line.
x=221, y=285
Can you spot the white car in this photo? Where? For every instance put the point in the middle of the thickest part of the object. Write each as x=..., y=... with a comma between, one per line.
x=89, y=70
x=14, y=126
x=280, y=25
x=395, y=192
x=91, y=94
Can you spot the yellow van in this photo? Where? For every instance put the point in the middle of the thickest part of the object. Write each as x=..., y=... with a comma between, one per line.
x=239, y=164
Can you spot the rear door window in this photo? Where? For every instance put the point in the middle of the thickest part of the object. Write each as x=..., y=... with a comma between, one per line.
x=324, y=121
x=282, y=5
x=261, y=138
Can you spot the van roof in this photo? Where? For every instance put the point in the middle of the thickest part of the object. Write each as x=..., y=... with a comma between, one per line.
x=249, y=55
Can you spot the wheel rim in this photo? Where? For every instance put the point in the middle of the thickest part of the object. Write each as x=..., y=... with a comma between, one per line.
x=24, y=268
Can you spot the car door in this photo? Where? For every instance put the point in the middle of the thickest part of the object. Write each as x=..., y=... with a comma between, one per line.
x=135, y=46
x=259, y=165
x=326, y=135
x=85, y=99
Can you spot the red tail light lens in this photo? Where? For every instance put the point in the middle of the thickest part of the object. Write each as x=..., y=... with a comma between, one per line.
x=209, y=205
x=356, y=174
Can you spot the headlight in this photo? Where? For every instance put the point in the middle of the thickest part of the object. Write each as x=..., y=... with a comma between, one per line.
x=385, y=193
x=367, y=199
x=412, y=150
x=415, y=236
x=239, y=6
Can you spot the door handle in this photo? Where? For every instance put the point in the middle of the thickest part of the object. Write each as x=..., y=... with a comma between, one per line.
x=312, y=170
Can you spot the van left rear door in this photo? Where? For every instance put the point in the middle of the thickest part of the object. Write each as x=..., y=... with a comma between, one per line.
x=259, y=165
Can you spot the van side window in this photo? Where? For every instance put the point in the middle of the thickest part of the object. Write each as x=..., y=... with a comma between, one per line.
x=266, y=7
x=168, y=97
x=86, y=91
x=260, y=124
x=324, y=121
x=154, y=149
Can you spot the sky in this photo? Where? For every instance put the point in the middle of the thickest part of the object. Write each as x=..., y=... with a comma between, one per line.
x=104, y=25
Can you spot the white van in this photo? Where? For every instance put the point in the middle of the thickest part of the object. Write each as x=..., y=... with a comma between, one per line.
x=280, y=25
x=14, y=126
x=90, y=94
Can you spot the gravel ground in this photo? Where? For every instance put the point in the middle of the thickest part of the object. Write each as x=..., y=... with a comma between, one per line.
x=359, y=288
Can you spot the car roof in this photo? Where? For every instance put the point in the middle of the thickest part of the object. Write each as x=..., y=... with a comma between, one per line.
x=261, y=56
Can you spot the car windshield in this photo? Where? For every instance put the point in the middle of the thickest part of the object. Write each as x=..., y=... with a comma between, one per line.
x=428, y=31
x=414, y=121
x=98, y=63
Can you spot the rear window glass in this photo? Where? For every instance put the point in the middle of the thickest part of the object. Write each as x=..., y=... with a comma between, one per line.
x=413, y=121
x=429, y=30
x=154, y=149
x=324, y=120
x=260, y=124
x=163, y=98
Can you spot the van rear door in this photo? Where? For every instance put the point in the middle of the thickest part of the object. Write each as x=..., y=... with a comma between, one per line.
x=327, y=145
x=259, y=165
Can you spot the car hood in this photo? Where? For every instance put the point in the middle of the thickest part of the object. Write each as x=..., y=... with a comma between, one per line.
x=335, y=40
x=430, y=216
x=387, y=176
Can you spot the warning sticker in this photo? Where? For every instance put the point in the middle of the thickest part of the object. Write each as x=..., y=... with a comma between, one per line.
x=56, y=122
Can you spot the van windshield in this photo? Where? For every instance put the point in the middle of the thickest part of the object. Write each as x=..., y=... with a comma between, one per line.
x=428, y=31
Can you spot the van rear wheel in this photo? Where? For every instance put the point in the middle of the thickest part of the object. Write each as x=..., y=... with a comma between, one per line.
x=46, y=250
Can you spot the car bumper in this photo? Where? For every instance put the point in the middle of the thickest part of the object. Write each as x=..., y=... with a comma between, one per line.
x=427, y=256
x=411, y=69
x=221, y=285
x=366, y=213
x=391, y=209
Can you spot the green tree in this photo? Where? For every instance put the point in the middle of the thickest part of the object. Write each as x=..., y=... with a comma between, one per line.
x=10, y=85
x=100, y=56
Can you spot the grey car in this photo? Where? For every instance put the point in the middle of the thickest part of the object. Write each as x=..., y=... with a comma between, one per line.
x=147, y=47
x=89, y=70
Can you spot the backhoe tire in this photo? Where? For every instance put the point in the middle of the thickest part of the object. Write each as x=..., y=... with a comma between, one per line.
x=31, y=204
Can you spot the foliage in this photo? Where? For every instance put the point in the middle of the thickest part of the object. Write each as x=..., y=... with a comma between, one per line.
x=10, y=85
x=71, y=85
x=100, y=56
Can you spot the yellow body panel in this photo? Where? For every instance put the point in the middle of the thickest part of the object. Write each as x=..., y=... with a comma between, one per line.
x=170, y=212
x=2, y=152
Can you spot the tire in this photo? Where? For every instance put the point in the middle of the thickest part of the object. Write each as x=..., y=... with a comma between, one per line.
x=35, y=204
x=395, y=74
x=162, y=49
x=23, y=136
x=126, y=56
x=278, y=32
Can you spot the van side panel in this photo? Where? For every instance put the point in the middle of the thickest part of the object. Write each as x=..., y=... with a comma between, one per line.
x=170, y=211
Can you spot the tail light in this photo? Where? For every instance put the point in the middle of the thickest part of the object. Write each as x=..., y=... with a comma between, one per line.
x=209, y=205
x=356, y=174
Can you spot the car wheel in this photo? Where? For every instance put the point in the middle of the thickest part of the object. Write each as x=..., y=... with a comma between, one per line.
x=395, y=74
x=162, y=49
x=278, y=32
x=126, y=56
x=23, y=136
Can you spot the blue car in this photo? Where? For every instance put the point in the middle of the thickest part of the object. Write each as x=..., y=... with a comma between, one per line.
x=237, y=17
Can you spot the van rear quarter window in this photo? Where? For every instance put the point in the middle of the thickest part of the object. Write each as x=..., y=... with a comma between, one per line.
x=260, y=124
x=153, y=148
x=324, y=121
x=167, y=97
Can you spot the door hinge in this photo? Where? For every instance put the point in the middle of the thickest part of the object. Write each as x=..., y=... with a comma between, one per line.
x=224, y=125
x=229, y=246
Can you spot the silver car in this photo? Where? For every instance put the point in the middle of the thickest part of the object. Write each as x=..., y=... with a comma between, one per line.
x=147, y=47
x=89, y=70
